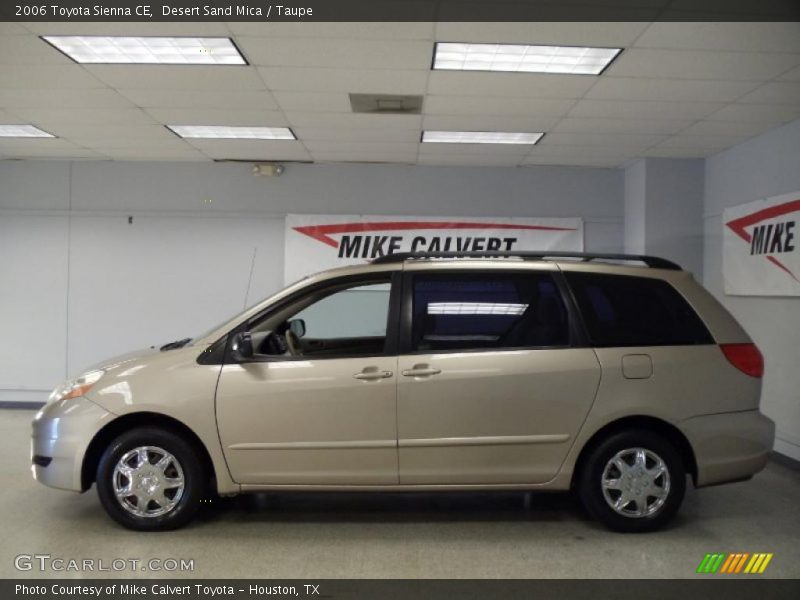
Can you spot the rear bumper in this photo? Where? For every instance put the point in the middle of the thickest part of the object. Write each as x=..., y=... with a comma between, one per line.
x=729, y=446
x=61, y=433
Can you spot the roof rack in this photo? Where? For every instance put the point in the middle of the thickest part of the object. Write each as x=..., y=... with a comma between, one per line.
x=653, y=262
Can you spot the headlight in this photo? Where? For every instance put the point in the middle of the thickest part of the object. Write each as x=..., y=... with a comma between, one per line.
x=75, y=387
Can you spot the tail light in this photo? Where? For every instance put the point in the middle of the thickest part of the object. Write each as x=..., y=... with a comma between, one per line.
x=745, y=357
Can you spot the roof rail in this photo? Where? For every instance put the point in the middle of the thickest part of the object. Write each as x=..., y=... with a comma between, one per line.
x=653, y=262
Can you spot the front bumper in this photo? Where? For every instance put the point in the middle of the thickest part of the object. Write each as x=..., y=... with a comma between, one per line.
x=729, y=446
x=62, y=432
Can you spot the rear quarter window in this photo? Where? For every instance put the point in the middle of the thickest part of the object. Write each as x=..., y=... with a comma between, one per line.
x=620, y=310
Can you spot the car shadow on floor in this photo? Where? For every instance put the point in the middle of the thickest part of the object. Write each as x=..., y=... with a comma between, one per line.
x=383, y=507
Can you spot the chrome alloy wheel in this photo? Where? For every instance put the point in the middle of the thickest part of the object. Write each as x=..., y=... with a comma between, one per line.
x=636, y=482
x=148, y=481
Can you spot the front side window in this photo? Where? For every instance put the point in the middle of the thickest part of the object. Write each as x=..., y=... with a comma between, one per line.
x=475, y=311
x=621, y=310
x=339, y=321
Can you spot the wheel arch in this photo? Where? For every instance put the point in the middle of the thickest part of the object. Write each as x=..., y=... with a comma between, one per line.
x=103, y=438
x=667, y=430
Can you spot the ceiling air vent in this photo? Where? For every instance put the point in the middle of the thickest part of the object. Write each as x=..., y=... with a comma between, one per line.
x=386, y=104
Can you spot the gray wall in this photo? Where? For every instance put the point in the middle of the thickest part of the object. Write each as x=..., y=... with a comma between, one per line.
x=80, y=284
x=663, y=210
x=765, y=166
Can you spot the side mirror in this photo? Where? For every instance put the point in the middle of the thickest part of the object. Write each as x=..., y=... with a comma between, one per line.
x=298, y=327
x=242, y=347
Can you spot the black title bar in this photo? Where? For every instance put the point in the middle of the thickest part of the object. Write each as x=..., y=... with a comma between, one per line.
x=399, y=10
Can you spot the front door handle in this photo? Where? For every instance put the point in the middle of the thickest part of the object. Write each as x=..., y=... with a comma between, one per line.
x=421, y=371
x=372, y=374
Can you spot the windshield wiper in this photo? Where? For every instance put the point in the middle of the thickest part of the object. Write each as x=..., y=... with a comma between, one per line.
x=175, y=344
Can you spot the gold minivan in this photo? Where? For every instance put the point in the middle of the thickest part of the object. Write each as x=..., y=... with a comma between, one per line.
x=616, y=376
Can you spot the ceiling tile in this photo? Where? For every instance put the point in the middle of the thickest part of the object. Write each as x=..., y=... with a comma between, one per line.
x=8, y=28
x=755, y=37
x=607, y=140
x=702, y=141
x=217, y=116
x=36, y=77
x=744, y=128
x=69, y=98
x=575, y=161
x=352, y=30
x=774, y=92
x=489, y=123
x=360, y=81
x=367, y=148
x=622, y=109
x=767, y=113
x=153, y=153
x=463, y=160
x=7, y=118
x=181, y=77
x=490, y=105
x=700, y=64
x=791, y=75
x=633, y=88
x=597, y=33
x=229, y=99
x=29, y=50
x=593, y=152
x=134, y=28
x=38, y=147
x=251, y=149
x=620, y=126
x=337, y=53
x=313, y=101
x=530, y=85
x=52, y=117
x=662, y=152
x=343, y=134
x=357, y=121
x=408, y=158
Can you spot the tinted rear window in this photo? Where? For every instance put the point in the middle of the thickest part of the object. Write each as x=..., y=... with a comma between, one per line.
x=635, y=311
x=472, y=311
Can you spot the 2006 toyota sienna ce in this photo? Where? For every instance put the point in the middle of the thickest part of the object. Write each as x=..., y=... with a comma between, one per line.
x=616, y=376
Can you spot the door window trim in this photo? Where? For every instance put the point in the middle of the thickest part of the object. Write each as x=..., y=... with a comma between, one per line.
x=390, y=347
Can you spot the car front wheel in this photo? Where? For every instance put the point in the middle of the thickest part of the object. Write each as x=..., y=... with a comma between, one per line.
x=633, y=481
x=150, y=479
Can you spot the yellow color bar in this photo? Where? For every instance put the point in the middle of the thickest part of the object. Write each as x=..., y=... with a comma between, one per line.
x=764, y=564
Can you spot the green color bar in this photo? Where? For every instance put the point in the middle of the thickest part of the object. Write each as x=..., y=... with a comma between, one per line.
x=702, y=567
x=718, y=563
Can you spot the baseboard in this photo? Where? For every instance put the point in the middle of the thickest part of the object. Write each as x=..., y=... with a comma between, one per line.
x=785, y=461
x=22, y=405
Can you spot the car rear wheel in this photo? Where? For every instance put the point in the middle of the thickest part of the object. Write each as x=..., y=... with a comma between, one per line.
x=150, y=479
x=633, y=481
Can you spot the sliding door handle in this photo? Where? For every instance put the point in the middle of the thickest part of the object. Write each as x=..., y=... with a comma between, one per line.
x=421, y=371
x=373, y=375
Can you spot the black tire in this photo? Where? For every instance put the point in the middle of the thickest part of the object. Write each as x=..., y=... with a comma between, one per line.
x=590, y=478
x=189, y=459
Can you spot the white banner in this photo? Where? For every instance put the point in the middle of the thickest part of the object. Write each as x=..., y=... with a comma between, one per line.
x=318, y=242
x=761, y=250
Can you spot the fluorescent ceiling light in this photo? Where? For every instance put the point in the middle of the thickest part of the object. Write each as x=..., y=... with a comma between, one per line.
x=23, y=131
x=517, y=58
x=222, y=132
x=148, y=50
x=480, y=137
x=476, y=308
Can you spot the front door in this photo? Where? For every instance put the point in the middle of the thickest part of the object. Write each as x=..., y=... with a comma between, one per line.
x=491, y=388
x=317, y=404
